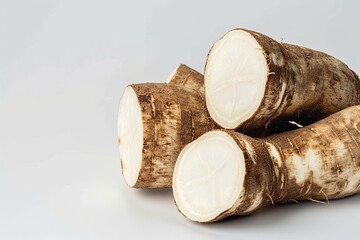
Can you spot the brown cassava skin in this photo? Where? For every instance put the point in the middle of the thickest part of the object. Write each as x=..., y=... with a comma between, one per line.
x=188, y=77
x=318, y=162
x=316, y=85
x=172, y=117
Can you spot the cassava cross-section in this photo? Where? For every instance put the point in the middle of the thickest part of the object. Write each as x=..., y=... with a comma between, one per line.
x=252, y=80
x=155, y=122
x=226, y=173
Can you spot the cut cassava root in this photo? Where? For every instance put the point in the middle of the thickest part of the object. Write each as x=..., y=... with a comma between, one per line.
x=252, y=80
x=226, y=173
x=255, y=85
x=159, y=116
x=155, y=121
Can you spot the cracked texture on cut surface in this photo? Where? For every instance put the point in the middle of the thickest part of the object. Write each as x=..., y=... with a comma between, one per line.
x=210, y=172
x=235, y=78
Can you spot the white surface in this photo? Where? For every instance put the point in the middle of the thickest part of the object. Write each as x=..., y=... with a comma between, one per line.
x=63, y=68
x=130, y=136
x=235, y=78
x=208, y=176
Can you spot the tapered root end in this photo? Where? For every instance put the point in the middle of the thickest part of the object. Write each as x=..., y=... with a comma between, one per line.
x=130, y=135
x=168, y=80
x=208, y=177
x=235, y=77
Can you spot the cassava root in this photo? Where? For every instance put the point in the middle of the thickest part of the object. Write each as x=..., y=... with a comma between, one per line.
x=155, y=122
x=187, y=77
x=226, y=173
x=253, y=81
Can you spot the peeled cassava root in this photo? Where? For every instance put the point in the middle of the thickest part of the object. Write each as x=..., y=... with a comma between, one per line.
x=252, y=80
x=155, y=122
x=226, y=173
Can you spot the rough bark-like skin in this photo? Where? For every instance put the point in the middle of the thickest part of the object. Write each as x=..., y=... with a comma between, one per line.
x=188, y=77
x=172, y=117
x=316, y=84
x=318, y=162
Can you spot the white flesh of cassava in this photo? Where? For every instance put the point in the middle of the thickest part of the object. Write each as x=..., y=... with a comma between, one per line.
x=130, y=133
x=235, y=77
x=208, y=176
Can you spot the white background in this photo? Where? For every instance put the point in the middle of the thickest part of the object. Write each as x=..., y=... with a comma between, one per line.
x=63, y=68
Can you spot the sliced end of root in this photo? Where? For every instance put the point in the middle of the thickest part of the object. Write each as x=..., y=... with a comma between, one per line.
x=130, y=136
x=235, y=78
x=208, y=176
